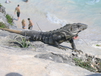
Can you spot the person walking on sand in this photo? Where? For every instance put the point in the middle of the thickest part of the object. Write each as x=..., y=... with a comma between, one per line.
x=23, y=24
x=26, y=0
x=30, y=26
x=7, y=1
x=17, y=9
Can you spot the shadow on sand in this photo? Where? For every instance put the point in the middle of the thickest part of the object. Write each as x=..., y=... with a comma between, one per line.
x=15, y=19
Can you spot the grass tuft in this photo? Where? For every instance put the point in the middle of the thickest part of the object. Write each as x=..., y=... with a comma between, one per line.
x=23, y=43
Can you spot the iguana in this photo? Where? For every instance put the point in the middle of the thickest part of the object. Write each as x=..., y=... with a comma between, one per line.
x=54, y=37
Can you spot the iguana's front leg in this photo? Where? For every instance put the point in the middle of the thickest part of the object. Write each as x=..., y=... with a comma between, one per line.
x=73, y=46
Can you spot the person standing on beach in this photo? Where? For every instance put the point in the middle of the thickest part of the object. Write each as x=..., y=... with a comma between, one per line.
x=26, y=0
x=18, y=12
x=23, y=24
x=30, y=26
x=7, y=1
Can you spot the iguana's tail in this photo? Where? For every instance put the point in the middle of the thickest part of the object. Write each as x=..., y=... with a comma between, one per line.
x=24, y=32
x=10, y=30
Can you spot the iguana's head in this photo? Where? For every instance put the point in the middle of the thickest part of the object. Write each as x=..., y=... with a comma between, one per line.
x=77, y=27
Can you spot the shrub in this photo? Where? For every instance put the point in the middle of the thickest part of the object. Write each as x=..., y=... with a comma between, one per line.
x=0, y=5
x=86, y=65
x=2, y=25
x=9, y=19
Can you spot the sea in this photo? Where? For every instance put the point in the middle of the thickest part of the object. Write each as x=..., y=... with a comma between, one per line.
x=64, y=12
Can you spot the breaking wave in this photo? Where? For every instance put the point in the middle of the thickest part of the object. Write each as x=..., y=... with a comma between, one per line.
x=92, y=2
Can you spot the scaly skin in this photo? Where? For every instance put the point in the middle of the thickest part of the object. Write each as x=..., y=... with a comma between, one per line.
x=55, y=37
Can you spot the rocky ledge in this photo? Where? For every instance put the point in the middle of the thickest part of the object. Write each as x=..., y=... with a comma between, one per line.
x=39, y=59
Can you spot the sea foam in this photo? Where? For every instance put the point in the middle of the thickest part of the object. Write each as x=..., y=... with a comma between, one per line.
x=53, y=19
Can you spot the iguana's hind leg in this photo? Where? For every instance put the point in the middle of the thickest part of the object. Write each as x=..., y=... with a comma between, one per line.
x=58, y=46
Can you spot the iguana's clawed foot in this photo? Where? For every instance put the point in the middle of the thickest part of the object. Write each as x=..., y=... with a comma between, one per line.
x=78, y=51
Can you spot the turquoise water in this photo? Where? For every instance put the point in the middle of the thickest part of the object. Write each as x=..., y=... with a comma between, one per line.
x=66, y=11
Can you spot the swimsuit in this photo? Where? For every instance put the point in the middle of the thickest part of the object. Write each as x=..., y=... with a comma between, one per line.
x=23, y=27
x=30, y=27
x=18, y=14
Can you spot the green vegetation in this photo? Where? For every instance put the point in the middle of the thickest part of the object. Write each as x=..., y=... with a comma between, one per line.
x=98, y=45
x=0, y=5
x=23, y=43
x=9, y=19
x=98, y=65
x=86, y=65
x=2, y=25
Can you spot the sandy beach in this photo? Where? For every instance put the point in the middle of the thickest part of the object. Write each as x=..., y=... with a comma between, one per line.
x=22, y=62
x=27, y=12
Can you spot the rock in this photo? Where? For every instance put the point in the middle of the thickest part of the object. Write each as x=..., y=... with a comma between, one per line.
x=2, y=10
x=24, y=63
x=43, y=60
